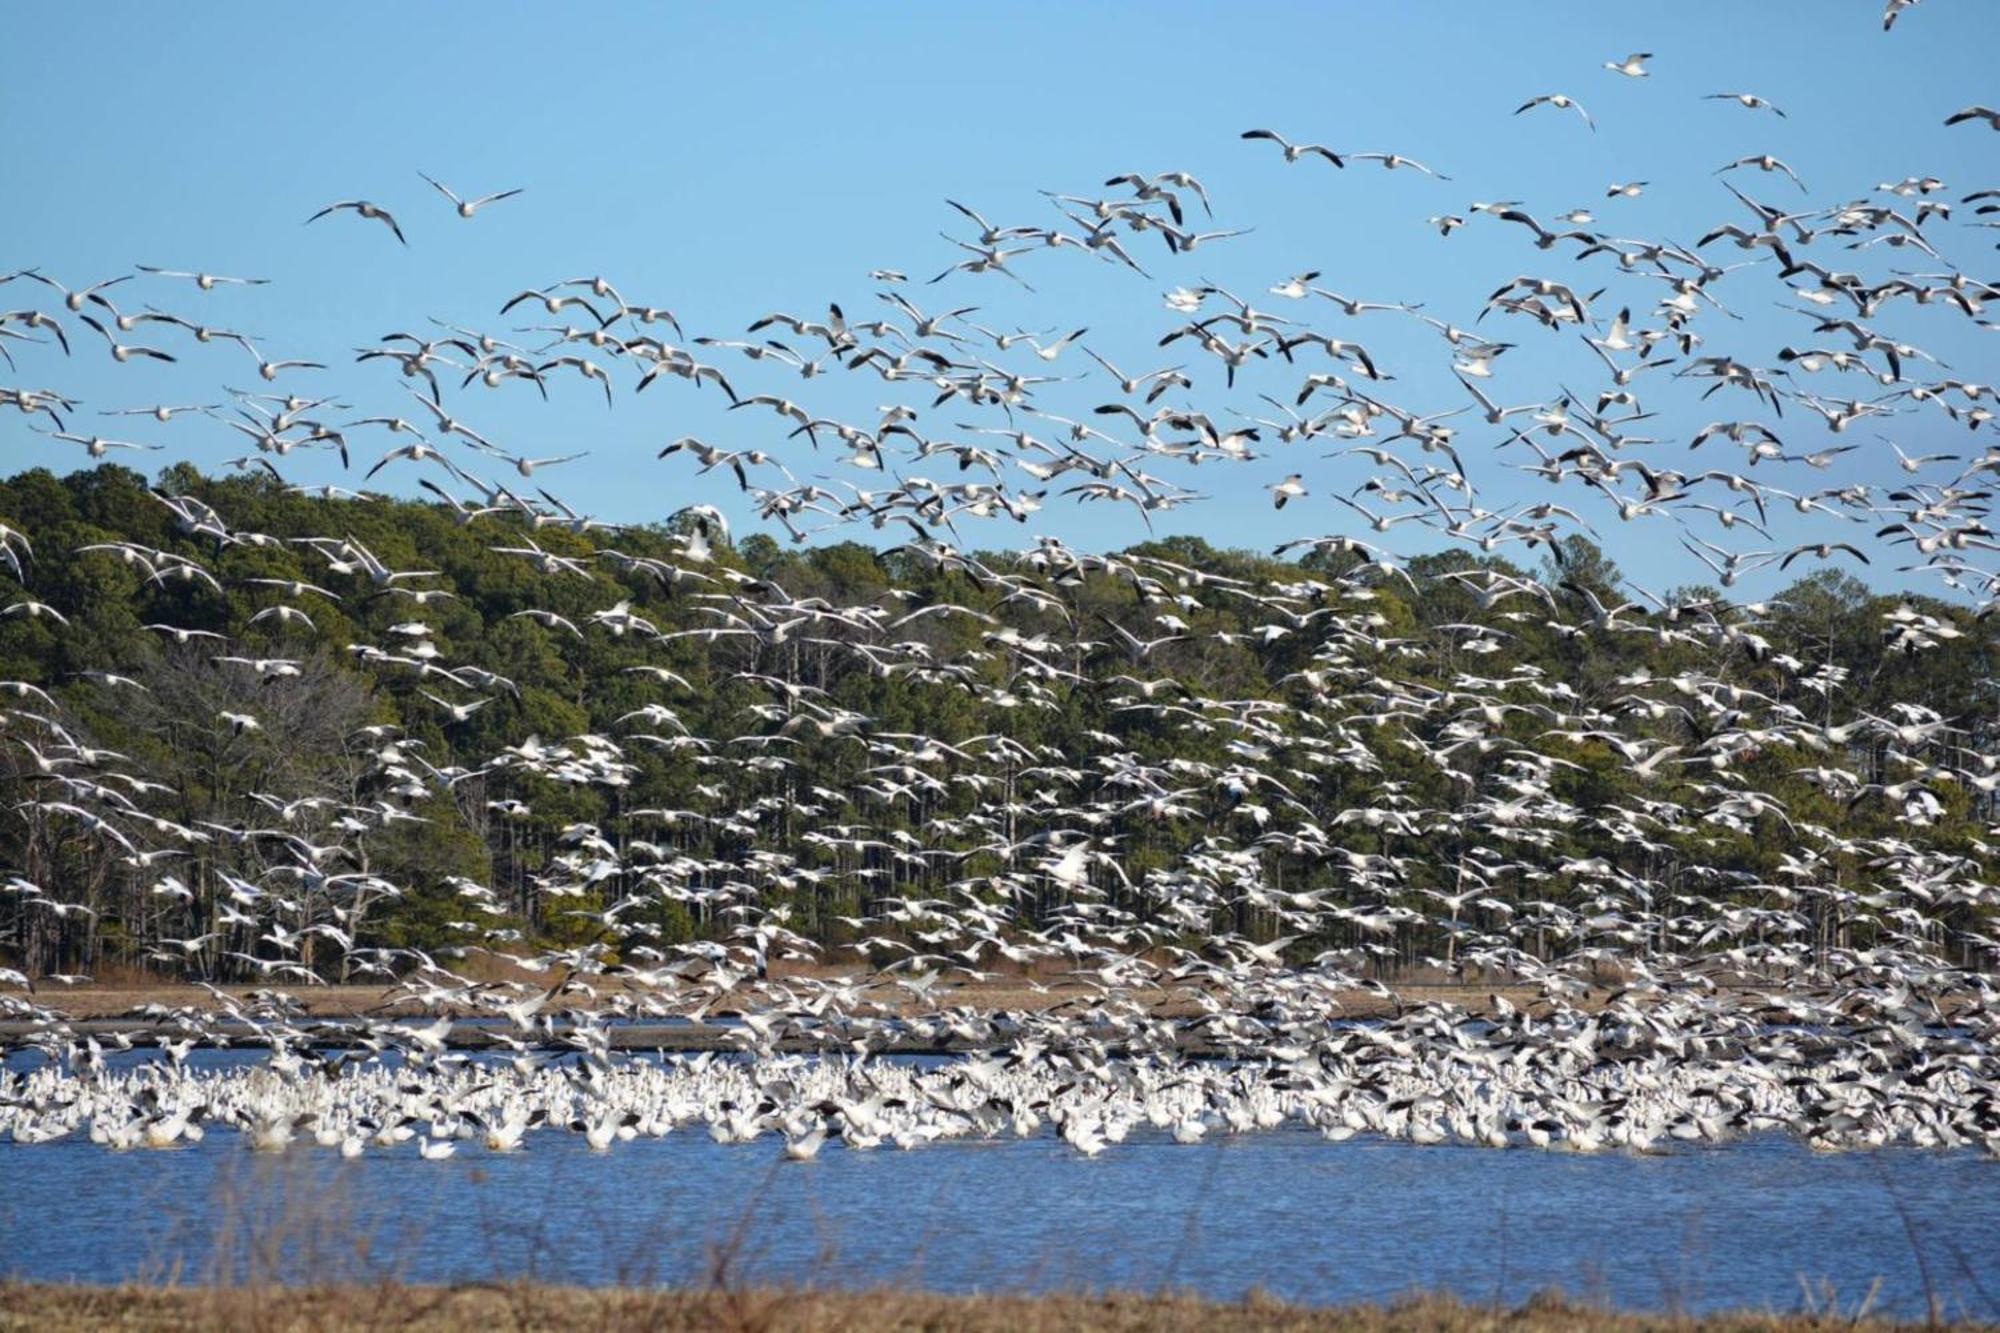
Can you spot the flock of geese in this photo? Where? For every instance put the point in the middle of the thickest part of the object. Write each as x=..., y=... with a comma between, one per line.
x=1200, y=919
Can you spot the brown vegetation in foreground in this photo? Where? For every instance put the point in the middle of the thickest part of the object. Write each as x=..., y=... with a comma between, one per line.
x=524, y=1306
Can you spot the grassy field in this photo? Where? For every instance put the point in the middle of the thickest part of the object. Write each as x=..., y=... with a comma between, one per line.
x=1001, y=993
x=521, y=1307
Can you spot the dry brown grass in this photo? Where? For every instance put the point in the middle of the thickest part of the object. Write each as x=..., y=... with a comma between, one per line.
x=1000, y=994
x=523, y=1306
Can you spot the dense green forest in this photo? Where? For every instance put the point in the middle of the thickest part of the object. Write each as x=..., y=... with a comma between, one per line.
x=691, y=740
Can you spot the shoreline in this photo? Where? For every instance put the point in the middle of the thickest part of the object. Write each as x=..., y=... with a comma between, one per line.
x=335, y=1017
x=100, y=1003
x=57, y=1308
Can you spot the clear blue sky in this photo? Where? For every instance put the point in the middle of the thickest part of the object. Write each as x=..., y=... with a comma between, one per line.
x=724, y=162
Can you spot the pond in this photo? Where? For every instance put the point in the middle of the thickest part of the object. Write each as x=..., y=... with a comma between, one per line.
x=1743, y=1225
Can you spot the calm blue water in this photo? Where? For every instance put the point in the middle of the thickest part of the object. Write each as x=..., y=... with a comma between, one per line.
x=1285, y=1211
